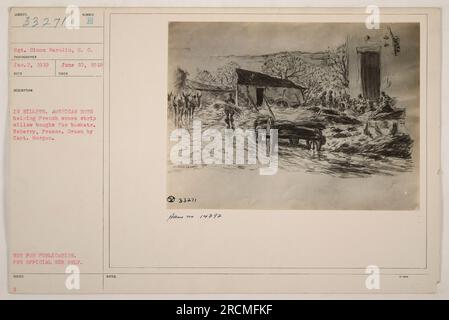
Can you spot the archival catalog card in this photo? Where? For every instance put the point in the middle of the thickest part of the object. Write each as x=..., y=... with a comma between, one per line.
x=224, y=150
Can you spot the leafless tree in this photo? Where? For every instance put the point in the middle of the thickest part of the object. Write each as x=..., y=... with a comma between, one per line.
x=226, y=75
x=338, y=61
x=284, y=66
x=180, y=80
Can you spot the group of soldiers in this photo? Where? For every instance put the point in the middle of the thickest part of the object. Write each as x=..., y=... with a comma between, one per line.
x=334, y=100
x=383, y=104
x=182, y=106
x=342, y=101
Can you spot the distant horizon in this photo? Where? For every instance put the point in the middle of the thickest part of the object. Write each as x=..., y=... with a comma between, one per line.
x=268, y=54
x=255, y=55
x=254, y=38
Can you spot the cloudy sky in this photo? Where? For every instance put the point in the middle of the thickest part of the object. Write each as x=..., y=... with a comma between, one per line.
x=199, y=45
x=222, y=38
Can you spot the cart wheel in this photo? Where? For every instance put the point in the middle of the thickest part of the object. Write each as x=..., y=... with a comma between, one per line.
x=308, y=144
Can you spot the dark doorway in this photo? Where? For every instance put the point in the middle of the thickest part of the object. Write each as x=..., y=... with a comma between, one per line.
x=370, y=73
x=259, y=96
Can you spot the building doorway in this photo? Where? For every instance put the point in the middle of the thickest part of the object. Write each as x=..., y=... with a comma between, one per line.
x=370, y=72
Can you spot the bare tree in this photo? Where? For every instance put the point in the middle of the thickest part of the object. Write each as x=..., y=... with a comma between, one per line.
x=180, y=80
x=315, y=80
x=312, y=77
x=313, y=85
x=226, y=75
x=284, y=66
x=338, y=61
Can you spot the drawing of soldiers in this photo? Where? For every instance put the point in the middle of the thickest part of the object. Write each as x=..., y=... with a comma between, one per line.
x=229, y=112
x=385, y=102
x=330, y=99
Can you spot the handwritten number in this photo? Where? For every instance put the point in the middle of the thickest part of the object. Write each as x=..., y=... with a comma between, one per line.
x=27, y=22
x=34, y=22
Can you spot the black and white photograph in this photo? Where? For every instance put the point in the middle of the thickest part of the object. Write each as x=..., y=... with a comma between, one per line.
x=343, y=98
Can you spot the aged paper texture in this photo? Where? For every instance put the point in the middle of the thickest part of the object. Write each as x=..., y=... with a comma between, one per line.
x=345, y=102
x=170, y=150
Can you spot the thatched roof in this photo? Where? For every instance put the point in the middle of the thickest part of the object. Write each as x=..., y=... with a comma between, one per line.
x=195, y=85
x=252, y=78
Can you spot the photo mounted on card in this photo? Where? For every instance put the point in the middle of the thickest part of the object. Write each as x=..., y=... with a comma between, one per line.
x=212, y=150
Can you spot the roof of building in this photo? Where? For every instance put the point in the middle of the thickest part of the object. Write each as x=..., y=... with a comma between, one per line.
x=195, y=85
x=247, y=77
